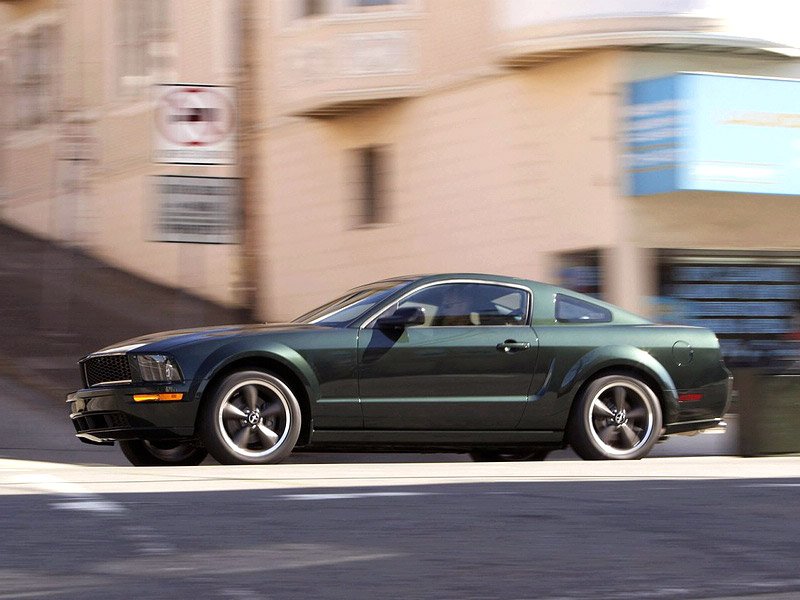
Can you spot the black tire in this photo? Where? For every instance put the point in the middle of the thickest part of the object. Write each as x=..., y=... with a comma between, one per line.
x=251, y=417
x=617, y=417
x=144, y=453
x=533, y=454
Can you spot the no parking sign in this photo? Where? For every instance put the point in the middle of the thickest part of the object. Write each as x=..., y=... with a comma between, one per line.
x=195, y=124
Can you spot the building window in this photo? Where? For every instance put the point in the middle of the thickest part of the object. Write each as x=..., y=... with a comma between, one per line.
x=581, y=272
x=371, y=185
x=366, y=3
x=34, y=67
x=143, y=50
x=311, y=8
x=369, y=6
x=304, y=9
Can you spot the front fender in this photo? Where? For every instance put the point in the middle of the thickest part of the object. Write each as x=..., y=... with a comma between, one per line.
x=610, y=357
x=273, y=351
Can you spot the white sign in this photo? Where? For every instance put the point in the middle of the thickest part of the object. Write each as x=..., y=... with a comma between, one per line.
x=352, y=55
x=195, y=124
x=200, y=210
x=376, y=53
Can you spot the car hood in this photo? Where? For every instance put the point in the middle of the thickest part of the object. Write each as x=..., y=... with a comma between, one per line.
x=166, y=340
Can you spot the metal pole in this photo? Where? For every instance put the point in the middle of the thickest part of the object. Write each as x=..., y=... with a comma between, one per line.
x=249, y=226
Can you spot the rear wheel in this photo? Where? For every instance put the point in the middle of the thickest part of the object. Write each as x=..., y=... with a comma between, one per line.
x=146, y=453
x=617, y=417
x=518, y=455
x=251, y=417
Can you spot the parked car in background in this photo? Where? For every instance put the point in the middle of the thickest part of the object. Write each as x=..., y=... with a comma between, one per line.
x=499, y=367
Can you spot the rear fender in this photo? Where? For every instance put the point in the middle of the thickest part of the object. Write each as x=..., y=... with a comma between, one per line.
x=609, y=358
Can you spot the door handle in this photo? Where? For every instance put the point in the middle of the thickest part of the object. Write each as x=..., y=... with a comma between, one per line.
x=513, y=346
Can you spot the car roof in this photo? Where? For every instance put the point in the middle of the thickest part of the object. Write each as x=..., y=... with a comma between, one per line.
x=476, y=276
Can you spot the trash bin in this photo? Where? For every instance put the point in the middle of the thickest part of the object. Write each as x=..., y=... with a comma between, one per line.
x=769, y=412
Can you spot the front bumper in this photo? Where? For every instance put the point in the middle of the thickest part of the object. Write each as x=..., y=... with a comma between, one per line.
x=108, y=414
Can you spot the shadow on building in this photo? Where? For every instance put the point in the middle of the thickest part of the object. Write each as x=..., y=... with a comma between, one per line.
x=57, y=304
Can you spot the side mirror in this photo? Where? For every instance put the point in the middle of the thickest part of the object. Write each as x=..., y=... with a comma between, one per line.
x=402, y=318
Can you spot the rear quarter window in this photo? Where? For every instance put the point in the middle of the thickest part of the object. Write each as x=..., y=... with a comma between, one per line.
x=574, y=310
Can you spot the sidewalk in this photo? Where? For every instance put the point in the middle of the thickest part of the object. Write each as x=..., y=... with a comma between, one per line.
x=58, y=304
x=34, y=427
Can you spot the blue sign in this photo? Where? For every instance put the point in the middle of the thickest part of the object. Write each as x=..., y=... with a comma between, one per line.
x=721, y=133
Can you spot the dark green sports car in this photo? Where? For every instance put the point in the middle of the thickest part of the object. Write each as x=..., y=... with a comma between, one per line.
x=499, y=367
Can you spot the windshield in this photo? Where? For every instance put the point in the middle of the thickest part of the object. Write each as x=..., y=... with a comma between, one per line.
x=352, y=305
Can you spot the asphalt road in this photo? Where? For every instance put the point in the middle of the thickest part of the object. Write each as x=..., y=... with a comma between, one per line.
x=530, y=535
x=669, y=527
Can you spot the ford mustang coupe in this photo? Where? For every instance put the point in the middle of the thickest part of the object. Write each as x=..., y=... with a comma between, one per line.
x=499, y=367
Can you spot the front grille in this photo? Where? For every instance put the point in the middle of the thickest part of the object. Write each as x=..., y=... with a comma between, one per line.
x=113, y=368
x=100, y=421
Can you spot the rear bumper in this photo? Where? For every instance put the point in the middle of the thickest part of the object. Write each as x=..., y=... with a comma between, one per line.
x=703, y=407
x=696, y=426
x=109, y=414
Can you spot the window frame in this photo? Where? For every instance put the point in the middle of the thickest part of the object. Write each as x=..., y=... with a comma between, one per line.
x=369, y=323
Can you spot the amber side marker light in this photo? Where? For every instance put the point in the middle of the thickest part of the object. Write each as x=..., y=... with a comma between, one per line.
x=157, y=397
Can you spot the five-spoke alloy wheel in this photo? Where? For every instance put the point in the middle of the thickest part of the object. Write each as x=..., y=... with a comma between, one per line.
x=251, y=417
x=616, y=417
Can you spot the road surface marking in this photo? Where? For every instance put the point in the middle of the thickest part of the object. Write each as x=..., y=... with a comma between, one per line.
x=76, y=497
x=238, y=560
x=146, y=540
x=88, y=505
x=353, y=495
x=777, y=485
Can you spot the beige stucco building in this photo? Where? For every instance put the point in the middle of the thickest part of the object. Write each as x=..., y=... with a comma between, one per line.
x=503, y=143
x=78, y=127
x=386, y=137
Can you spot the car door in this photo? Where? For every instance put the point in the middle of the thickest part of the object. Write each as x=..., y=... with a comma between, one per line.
x=468, y=366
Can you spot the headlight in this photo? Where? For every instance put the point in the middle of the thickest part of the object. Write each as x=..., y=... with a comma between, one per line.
x=157, y=367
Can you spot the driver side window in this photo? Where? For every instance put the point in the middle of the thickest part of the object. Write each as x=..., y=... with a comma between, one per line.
x=468, y=304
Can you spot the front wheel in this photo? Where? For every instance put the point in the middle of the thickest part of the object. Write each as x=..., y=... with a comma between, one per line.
x=146, y=453
x=616, y=418
x=251, y=417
